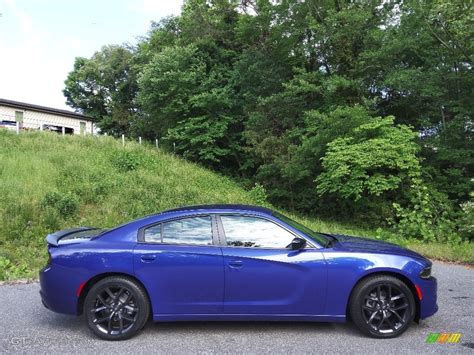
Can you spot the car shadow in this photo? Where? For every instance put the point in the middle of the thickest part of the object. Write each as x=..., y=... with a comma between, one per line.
x=77, y=325
x=60, y=322
x=244, y=327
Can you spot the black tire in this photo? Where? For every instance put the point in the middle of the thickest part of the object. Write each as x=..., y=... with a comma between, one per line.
x=116, y=308
x=382, y=306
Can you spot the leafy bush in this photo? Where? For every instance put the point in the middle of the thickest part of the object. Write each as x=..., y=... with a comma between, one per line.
x=466, y=221
x=379, y=157
x=66, y=204
x=428, y=216
x=259, y=194
x=125, y=160
x=10, y=271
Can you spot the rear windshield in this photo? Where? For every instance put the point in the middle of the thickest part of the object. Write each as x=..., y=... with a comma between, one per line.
x=85, y=234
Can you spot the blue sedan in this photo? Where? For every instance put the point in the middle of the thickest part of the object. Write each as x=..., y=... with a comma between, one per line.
x=232, y=262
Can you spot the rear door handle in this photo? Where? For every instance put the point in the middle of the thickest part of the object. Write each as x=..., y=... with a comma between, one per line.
x=148, y=258
x=236, y=264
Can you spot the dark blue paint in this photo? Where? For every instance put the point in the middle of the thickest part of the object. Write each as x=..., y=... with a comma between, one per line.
x=182, y=279
x=288, y=280
x=230, y=283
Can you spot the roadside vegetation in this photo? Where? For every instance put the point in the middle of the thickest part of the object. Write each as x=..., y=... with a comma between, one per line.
x=358, y=111
x=50, y=182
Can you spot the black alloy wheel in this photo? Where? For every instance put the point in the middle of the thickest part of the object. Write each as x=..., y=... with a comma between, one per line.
x=385, y=308
x=116, y=308
x=382, y=306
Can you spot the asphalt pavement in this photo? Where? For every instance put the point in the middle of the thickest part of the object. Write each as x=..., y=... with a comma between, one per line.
x=27, y=327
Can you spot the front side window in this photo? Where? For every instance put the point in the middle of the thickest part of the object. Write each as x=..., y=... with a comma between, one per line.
x=318, y=237
x=247, y=231
x=194, y=230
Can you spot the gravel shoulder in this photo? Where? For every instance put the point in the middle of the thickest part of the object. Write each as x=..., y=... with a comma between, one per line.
x=28, y=327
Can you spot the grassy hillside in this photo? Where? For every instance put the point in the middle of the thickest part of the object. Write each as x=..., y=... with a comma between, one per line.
x=50, y=182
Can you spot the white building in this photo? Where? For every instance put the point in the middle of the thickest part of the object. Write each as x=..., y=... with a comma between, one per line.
x=35, y=117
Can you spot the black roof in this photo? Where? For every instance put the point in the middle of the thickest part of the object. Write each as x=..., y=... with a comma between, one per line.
x=223, y=207
x=44, y=109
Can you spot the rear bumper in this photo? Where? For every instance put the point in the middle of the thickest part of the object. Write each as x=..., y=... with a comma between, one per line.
x=58, y=289
x=428, y=304
x=43, y=301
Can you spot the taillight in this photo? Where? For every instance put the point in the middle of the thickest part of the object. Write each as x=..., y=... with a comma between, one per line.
x=49, y=258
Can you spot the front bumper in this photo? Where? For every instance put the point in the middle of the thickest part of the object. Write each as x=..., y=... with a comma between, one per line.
x=428, y=304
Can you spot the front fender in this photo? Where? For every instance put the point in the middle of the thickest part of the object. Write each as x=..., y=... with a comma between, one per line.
x=346, y=269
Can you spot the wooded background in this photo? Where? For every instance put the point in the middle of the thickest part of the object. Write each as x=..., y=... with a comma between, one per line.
x=353, y=110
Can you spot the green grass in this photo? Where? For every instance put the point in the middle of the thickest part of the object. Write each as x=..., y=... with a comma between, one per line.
x=50, y=182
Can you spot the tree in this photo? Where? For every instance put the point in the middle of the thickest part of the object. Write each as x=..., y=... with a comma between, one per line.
x=167, y=84
x=189, y=104
x=104, y=87
x=421, y=73
x=378, y=157
x=290, y=94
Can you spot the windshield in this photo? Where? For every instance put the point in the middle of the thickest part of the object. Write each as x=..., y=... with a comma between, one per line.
x=319, y=238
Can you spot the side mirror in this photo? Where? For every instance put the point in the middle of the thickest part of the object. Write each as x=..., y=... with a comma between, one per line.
x=297, y=243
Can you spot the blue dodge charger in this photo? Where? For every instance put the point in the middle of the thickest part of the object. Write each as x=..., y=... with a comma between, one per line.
x=232, y=262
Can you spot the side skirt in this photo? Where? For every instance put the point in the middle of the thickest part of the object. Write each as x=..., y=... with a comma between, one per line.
x=248, y=317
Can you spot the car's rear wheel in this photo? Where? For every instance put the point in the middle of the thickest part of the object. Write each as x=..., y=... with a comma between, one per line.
x=116, y=308
x=382, y=306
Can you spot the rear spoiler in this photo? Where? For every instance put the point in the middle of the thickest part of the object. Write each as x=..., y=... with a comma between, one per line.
x=53, y=239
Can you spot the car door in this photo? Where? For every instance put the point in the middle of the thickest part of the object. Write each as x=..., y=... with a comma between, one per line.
x=263, y=276
x=181, y=266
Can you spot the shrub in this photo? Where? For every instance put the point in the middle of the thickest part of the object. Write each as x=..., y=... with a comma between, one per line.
x=428, y=216
x=259, y=194
x=66, y=204
x=129, y=160
x=466, y=221
x=125, y=160
x=9, y=271
x=378, y=158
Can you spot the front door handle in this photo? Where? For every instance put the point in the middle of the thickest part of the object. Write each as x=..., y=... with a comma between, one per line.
x=148, y=258
x=236, y=264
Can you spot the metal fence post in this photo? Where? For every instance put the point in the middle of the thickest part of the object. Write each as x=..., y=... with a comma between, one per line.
x=140, y=140
x=63, y=130
x=174, y=147
x=156, y=142
x=18, y=128
x=123, y=140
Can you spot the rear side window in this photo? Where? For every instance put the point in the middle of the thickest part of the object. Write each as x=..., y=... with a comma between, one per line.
x=254, y=232
x=193, y=230
x=153, y=234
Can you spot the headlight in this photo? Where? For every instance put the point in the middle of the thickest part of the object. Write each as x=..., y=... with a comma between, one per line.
x=426, y=273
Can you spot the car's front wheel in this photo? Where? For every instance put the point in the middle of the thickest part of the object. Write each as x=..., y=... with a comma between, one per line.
x=382, y=306
x=116, y=308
